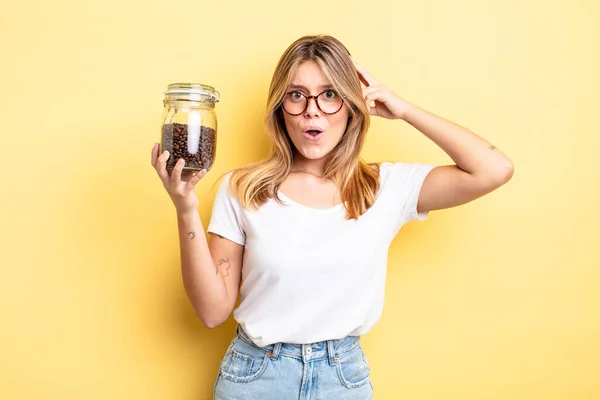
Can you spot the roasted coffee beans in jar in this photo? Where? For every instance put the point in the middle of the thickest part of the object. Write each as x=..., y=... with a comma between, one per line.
x=189, y=129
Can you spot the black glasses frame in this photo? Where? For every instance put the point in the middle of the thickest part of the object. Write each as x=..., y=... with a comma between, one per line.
x=307, y=98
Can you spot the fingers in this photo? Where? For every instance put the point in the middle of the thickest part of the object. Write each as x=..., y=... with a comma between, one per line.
x=161, y=170
x=154, y=155
x=366, y=78
x=371, y=90
x=370, y=98
x=370, y=95
x=194, y=180
x=176, y=174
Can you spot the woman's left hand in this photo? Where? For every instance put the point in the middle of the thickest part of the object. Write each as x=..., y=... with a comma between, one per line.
x=387, y=103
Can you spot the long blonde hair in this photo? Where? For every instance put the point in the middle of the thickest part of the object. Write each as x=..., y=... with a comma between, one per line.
x=357, y=181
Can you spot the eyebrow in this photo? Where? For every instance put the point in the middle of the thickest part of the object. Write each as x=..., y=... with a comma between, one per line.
x=326, y=86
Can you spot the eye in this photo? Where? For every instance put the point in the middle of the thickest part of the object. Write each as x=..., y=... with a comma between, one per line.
x=295, y=95
x=331, y=94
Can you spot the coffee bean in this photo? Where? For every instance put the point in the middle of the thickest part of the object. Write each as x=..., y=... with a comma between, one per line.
x=175, y=140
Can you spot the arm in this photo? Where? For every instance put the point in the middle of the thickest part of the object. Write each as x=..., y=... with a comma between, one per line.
x=211, y=276
x=480, y=167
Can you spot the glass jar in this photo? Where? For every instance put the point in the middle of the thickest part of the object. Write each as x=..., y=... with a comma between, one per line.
x=189, y=129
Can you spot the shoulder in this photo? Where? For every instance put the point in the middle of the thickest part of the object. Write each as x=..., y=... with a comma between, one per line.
x=224, y=186
x=398, y=168
x=403, y=174
x=226, y=179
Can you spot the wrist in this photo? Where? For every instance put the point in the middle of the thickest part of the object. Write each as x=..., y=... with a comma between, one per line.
x=409, y=110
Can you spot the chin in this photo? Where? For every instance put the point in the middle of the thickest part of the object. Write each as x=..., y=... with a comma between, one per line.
x=314, y=156
x=313, y=153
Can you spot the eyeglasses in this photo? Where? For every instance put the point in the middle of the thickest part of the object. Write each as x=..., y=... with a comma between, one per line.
x=328, y=101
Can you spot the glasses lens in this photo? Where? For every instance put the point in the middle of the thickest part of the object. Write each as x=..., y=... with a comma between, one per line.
x=294, y=103
x=329, y=101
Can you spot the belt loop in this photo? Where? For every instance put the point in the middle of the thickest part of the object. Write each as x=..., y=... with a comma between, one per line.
x=276, y=349
x=331, y=351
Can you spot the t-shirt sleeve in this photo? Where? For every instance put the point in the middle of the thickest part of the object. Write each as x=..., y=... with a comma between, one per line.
x=403, y=183
x=226, y=219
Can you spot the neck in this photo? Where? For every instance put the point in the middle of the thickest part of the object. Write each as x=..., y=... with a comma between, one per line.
x=313, y=167
x=307, y=172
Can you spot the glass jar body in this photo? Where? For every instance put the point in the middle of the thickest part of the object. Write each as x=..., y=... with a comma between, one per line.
x=189, y=129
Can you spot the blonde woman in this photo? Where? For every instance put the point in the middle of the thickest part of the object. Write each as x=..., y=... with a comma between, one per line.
x=306, y=231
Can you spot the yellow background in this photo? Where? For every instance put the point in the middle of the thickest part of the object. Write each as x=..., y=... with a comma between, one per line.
x=497, y=299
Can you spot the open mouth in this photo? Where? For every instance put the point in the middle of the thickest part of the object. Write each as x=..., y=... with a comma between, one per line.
x=313, y=135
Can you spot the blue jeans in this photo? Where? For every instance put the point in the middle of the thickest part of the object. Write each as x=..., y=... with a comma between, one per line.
x=331, y=369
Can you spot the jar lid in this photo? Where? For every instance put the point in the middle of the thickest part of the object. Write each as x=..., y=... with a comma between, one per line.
x=192, y=91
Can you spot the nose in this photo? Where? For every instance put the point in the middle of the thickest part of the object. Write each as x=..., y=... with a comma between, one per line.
x=311, y=107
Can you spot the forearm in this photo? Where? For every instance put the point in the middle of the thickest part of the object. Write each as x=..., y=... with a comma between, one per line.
x=470, y=152
x=203, y=283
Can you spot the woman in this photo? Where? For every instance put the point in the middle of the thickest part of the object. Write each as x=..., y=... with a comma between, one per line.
x=311, y=226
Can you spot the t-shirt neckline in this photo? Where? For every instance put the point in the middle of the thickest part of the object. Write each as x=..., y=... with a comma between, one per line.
x=318, y=210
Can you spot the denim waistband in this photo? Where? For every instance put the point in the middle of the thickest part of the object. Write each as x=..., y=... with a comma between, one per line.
x=327, y=349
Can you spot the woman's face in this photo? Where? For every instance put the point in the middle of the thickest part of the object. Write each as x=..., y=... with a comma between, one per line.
x=310, y=80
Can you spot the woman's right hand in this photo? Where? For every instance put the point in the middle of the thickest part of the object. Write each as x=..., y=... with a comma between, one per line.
x=180, y=186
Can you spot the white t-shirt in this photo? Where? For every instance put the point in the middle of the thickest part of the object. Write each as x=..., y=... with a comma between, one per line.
x=310, y=275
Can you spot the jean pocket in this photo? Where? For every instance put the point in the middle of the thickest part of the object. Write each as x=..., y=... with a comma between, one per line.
x=353, y=368
x=243, y=362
